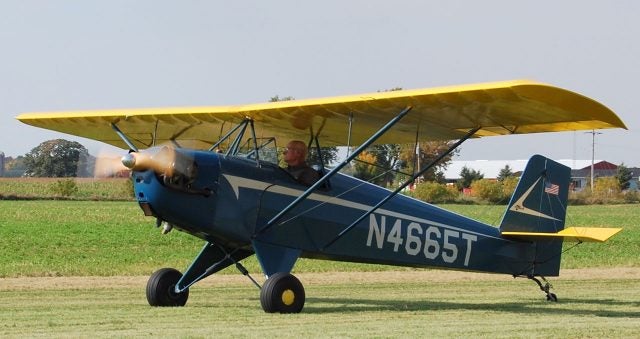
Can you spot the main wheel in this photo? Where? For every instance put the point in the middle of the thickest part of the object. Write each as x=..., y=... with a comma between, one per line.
x=282, y=293
x=161, y=288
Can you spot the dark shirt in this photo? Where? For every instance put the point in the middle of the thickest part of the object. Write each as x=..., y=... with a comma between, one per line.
x=304, y=174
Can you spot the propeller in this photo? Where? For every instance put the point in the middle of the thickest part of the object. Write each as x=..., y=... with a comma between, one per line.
x=108, y=164
x=175, y=166
x=160, y=159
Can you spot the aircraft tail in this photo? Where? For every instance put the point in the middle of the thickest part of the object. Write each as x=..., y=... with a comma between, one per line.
x=537, y=211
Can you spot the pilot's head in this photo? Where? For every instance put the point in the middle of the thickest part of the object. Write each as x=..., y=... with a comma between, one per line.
x=295, y=154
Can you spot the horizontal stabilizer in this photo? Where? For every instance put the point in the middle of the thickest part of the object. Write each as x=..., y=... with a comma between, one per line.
x=592, y=234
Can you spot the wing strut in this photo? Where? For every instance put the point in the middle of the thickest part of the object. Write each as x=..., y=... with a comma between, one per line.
x=349, y=135
x=335, y=170
x=406, y=183
x=233, y=149
x=243, y=125
x=124, y=137
x=255, y=142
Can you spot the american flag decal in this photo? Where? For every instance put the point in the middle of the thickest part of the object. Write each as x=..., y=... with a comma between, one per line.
x=551, y=188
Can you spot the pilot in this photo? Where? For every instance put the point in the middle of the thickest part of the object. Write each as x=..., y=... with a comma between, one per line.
x=295, y=155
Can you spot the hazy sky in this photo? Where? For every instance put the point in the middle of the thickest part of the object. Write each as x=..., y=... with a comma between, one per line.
x=68, y=55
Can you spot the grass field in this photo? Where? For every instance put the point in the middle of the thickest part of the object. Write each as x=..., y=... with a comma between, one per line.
x=78, y=268
x=88, y=188
x=86, y=238
x=592, y=304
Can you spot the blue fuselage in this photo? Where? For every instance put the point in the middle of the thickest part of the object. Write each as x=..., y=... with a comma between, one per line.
x=404, y=231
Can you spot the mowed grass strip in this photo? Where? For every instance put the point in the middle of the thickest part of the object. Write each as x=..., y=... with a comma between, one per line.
x=87, y=238
x=70, y=238
x=380, y=304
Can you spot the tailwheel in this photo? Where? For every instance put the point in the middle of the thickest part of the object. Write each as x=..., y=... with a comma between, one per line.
x=546, y=288
x=161, y=289
x=282, y=293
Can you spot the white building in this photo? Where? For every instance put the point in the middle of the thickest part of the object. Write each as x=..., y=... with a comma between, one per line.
x=491, y=168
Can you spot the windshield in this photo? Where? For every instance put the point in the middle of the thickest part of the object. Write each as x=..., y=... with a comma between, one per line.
x=267, y=150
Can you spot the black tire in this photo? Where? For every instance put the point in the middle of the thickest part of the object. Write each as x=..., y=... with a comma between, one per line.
x=282, y=293
x=160, y=289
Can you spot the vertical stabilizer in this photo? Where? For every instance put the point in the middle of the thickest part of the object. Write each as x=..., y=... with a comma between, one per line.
x=539, y=205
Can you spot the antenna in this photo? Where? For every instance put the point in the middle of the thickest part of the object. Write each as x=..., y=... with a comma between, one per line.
x=593, y=152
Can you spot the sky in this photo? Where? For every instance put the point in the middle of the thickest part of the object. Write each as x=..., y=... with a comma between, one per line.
x=71, y=55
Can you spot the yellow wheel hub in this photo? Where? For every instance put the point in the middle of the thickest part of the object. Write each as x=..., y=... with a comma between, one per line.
x=288, y=297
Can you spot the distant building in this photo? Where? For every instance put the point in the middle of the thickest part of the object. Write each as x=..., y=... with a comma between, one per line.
x=580, y=177
x=491, y=168
x=580, y=173
x=1, y=164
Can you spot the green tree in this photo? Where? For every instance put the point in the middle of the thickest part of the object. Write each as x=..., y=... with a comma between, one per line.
x=396, y=158
x=435, y=193
x=14, y=167
x=488, y=190
x=58, y=158
x=429, y=151
x=393, y=89
x=624, y=176
x=468, y=176
x=364, y=168
x=402, y=158
x=16, y=163
x=329, y=155
x=277, y=98
x=606, y=187
x=509, y=185
x=504, y=173
x=387, y=159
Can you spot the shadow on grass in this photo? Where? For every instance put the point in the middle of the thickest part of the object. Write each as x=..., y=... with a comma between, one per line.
x=563, y=307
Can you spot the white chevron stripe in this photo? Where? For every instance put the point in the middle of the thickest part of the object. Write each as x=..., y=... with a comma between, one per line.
x=519, y=207
x=237, y=182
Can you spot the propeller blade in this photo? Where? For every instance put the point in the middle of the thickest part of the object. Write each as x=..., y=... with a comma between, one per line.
x=159, y=159
x=107, y=165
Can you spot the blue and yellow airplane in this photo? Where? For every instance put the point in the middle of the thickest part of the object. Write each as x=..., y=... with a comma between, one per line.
x=213, y=172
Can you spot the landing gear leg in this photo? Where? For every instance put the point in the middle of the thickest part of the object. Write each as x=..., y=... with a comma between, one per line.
x=546, y=287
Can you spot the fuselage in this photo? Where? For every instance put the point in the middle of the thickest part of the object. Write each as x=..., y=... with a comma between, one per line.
x=244, y=196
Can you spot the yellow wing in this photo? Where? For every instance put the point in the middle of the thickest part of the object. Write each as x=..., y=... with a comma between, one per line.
x=445, y=113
